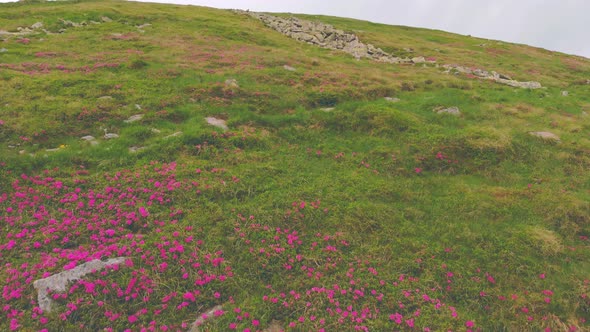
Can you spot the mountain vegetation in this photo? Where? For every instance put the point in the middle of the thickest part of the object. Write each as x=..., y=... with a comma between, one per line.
x=167, y=167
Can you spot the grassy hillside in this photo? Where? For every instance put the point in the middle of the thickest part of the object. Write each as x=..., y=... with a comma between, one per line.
x=323, y=207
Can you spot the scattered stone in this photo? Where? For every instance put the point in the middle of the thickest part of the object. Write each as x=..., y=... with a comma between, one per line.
x=22, y=152
x=327, y=109
x=176, y=134
x=110, y=135
x=231, y=83
x=289, y=68
x=2, y=50
x=392, y=99
x=217, y=122
x=496, y=77
x=58, y=282
x=134, y=118
x=155, y=131
x=145, y=25
x=37, y=25
x=564, y=93
x=203, y=317
x=88, y=138
x=137, y=106
x=50, y=150
x=451, y=110
x=545, y=135
x=105, y=19
x=105, y=98
x=135, y=149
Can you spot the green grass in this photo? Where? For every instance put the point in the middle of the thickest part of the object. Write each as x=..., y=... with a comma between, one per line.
x=369, y=210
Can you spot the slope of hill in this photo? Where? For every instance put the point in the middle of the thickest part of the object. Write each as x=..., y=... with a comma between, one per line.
x=172, y=167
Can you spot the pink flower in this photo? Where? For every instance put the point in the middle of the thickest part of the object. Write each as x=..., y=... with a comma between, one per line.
x=469, y=323
x=542, y=276
x=255, y=322
x=232, y=326
x=132, y=319
x=418, y=170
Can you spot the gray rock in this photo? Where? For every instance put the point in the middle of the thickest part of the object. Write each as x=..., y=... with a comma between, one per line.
x=58, y=282
x=88, y=138
x=105, y=19
x=289, y=68
x=51, y=150
x=565, y=93
x=105, y=98
x=545, y=135
x=134, y=118
x=37, y=25
x=137, y=106
x=418, y=59
x=145, y=25
x=392, y=99
x=2, y=50
x=231, y=83
x=451, y=110
x=217, y=122
x=135, y=149
x=110, y=136
x=155, y=131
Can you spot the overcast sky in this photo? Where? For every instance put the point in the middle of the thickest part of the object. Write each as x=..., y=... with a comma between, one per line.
x=558, y=25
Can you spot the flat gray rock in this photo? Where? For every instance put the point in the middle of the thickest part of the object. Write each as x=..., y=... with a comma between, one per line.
x=217, y=122
x=134, y=118
x=58, y=282
x=451, y=110
x=87, y=138
x=392, y=99
x=545, y=135
x=289, y=68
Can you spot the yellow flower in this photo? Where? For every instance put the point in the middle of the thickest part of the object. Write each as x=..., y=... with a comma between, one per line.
x=63, y=146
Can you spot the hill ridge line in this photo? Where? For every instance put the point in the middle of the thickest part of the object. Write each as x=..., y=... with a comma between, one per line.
x=326, y=36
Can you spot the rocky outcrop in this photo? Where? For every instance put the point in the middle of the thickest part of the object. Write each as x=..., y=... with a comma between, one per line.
x=325, y=36
x=491, y=75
